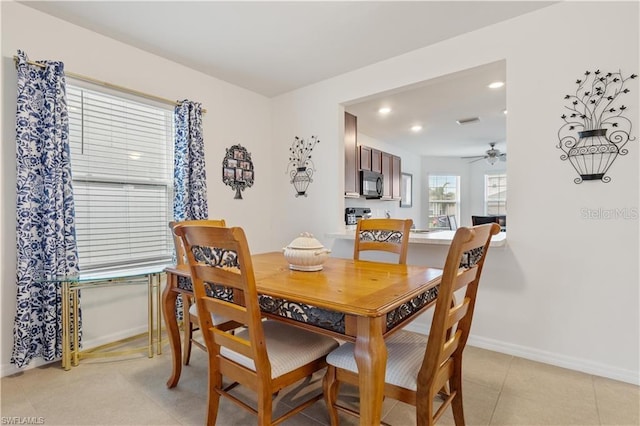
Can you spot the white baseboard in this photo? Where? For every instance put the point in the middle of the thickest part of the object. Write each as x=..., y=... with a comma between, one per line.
x=571, y=363
x=9, y=369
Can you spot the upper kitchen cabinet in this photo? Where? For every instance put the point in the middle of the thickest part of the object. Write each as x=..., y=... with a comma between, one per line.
x=391, y=169
x=396, y=177
x=376, y=160
x=387, y=164
x=351, y=169
x=365, y=157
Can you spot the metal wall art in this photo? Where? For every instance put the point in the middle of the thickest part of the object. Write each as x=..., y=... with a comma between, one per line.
x=595, y=129
x=237, y=170
x=301, y=167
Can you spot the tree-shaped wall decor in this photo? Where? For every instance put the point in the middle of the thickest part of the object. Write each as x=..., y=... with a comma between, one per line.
x=237, y=170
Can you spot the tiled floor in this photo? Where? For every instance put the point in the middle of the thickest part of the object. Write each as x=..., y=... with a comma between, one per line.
x=499, y=390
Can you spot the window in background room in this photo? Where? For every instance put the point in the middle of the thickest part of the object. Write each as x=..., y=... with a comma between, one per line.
x=122, y=167
x=495, y=194
x=444, y=200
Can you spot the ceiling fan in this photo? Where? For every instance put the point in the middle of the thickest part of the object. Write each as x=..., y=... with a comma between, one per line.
x=492, y=155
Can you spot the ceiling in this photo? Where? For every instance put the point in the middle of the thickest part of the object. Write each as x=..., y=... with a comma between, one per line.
x=436, y=105
x=275, y=47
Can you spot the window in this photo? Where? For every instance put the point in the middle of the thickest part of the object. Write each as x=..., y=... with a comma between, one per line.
x=444, y=199
x=122, y=169
x=495, y=194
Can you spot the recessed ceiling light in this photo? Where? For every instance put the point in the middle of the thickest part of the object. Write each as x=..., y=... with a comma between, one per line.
x=384, y=110
x=504, y=112
x=496, y=85
x=416, y=128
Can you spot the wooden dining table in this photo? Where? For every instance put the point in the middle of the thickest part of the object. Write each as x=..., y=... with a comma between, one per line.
x=359, y=301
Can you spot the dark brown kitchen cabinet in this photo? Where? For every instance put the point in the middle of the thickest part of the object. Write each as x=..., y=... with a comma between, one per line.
x=365, y=157
x=396, y=177
x=376, y=160
x=351, y=160
x=387, y=164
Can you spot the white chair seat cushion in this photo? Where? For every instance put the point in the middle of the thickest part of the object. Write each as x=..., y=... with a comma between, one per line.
x=405, y=352
x=215, y=318
x=288, y=347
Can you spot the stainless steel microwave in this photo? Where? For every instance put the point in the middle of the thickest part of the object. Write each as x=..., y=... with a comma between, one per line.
x=371, y=184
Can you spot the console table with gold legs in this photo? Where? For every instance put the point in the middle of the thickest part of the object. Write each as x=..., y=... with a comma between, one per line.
x=70, y=287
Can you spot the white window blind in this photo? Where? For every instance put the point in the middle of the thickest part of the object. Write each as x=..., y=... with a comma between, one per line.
x=495, y=194
x=122, y=169
x=444, y=200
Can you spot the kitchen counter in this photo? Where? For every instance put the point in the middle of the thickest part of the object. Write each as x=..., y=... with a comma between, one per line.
x=423, y=237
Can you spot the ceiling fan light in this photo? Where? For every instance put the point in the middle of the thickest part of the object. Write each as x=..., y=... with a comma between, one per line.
x=492, y=160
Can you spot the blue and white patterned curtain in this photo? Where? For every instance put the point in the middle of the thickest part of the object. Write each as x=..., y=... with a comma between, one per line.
x=189, y=176
x=45, y=233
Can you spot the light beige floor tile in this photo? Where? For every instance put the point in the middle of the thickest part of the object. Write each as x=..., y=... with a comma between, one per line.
x=515, y=411
x=618, y=402
x=479, y=404
x=485, y=367
x=548, y=384
x=13, y=399
x=110, y=400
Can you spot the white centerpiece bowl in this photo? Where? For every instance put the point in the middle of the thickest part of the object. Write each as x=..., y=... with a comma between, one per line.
x=306, y=253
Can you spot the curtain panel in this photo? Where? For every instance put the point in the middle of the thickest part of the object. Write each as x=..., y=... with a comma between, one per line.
x=45, y=229
x=189, y=175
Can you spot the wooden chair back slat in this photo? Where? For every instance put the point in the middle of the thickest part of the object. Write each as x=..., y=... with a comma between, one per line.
x=242, y=346
x=457, y=313
x=389, y=235
x=219, y=275
x=226, y=309
x=465, y=278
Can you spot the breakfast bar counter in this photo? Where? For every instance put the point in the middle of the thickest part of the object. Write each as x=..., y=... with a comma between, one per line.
x=424, y=237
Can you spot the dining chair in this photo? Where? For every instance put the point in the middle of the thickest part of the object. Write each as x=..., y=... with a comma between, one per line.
x=420, y=367
x=388, y=235
x=453, y=224
x=265, y=356
x=189, y=311
x=481, y=220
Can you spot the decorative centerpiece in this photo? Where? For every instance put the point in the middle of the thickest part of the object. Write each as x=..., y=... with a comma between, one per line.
x=306, y=253
x=301, y=166
x=597, y=119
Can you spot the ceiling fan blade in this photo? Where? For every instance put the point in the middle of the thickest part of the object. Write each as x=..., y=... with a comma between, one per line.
x=477, y=159
x=475, y=156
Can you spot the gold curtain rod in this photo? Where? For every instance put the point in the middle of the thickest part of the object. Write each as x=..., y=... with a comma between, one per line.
x=109, y=85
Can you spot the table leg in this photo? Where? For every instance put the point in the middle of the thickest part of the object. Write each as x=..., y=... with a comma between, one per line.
x=159, y=314
x=76, y=326
x=150, y=315
x=66, y=341
x=371, y=358
x=169, y=297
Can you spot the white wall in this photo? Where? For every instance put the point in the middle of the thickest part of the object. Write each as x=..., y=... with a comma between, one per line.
x=570, y=292
x=234, y=116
